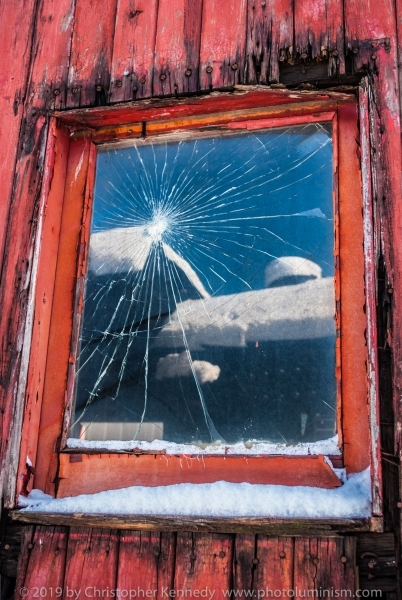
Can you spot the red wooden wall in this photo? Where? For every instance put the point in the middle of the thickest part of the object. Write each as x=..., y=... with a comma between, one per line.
x=167, y=563
x=81, y=53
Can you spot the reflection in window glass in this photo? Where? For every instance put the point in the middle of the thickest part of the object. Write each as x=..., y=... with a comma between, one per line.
x=209, y=304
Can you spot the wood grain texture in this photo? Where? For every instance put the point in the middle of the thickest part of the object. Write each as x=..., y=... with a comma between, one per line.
x=323, y=563
x=46, y=89
x=269, y=39
x=15, y=48
x=274, y=569
x=146, y=561
x=91, y=53
x=204, y=560
x=370, y=259
x=223, y=41
x=49, y=229
x=266, y=526
x=177, y=47
x=133, y=50
x=91, y=560
x=319, y=32
x=62, y=310
x=47, y=559
x=88, y=476
x=153, y=565
x=243, y=561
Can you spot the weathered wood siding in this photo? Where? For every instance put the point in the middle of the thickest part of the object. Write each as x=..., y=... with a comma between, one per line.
x=81, y=53
x=161, y=563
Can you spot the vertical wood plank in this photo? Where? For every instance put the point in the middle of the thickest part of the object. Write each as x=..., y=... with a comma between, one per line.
x=269, y=39
x=274, y=569
x=133, y=50
x=91, y=560
x=381, y=55
x=367, y=21
x=15, y=49
x=47, y=87
x=91, y=53
x=23, y=559
x=167, y=563
x=139, y=553
x=244, y=561
x=370, y=259
x=177, y=47
x=59, y=339
x=324, y=563
x=43, y=274
x=223, y=41
x=204, y=560
x=146, y=562
x=319, y=32
x=47, y=560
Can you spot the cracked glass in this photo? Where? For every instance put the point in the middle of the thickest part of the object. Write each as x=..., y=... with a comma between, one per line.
x=209, y=305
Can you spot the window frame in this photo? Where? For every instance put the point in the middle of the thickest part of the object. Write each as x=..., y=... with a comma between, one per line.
x=66, y=200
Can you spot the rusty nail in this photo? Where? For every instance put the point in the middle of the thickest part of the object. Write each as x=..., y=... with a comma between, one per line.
x=176, y=87
x=98, y=88
x=263, y=4
x=390, y=290
x=156, y=552
x=56, y=92
x=142, y=79
x=57, y=552
x=165, y=556
x=234, y=67
x=371, y=565
x=344, y=559
x=107, y=548
x=335, y=53
x=139, y=554
x=282, y=58
x=374, y=56
x=282, y=554
x=74, y=90
x=304, y=55
x=370, y=576
x=7, y=547
x=193, y=556
x=30, y=546
x=162, y=76
x=188, y=72
x=119, y=83
x=209, y=69
x=399, y=504
x=255, y=561
x=355, y=50
x=135, y=88
x=222, y=554
x=316, y=560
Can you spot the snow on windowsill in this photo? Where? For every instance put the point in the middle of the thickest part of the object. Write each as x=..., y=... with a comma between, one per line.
x=327, y=447
x=219, y=499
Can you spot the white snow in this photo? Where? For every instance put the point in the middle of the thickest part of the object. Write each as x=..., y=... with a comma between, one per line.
x=329, y=446
x=219, y=499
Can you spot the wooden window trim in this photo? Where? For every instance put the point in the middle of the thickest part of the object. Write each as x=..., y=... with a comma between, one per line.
x=70, y=166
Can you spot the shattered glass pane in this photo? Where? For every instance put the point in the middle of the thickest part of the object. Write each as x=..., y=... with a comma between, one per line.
x=209, y=303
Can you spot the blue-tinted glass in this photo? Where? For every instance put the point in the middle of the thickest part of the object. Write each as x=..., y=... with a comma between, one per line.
x=209, y=306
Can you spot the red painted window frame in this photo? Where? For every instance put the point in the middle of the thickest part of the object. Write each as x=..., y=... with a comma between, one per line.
x=60, y=272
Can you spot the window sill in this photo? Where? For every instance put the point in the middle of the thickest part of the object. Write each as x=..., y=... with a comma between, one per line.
x=269, y=526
